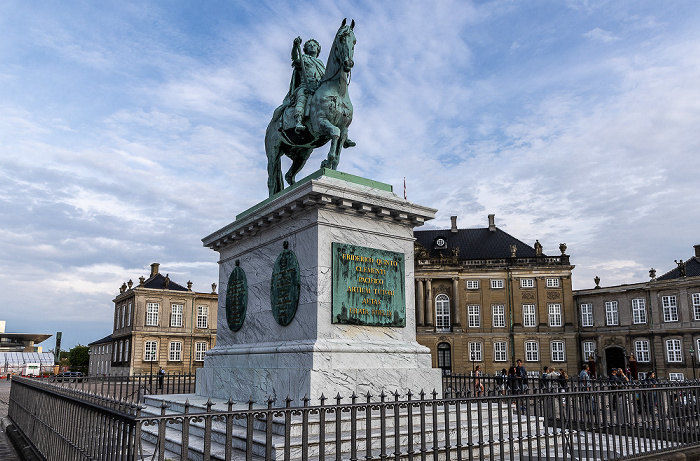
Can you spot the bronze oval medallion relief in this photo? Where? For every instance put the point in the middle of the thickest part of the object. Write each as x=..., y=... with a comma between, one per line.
x=284, y=286
x=236, y=298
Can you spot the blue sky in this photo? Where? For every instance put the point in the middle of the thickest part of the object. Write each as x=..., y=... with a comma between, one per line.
x=130, y=130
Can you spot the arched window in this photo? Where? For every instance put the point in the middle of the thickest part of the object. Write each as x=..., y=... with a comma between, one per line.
x=442, y=313
x=444, y=356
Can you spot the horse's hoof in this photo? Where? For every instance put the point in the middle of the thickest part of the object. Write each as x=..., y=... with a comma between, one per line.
x=349, y=143
x=324, y=164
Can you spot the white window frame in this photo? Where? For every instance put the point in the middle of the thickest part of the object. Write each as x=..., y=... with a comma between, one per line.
x=114, y=352
x=641, y=375
x=532, y=351
x=175, y=351
x=696, y=306
x=588, y=348
x=497, y=284
x=152, y=311
x=474, y=315
x=612, y=313
x=557, y=349
x=555, y=319
x=176, y=311
x=128, y=317
x=586, y=315
x=121, y=351
x=442, y=313
x=472, y=284
x=676, y=377
x=529, y=315
x=500, y=351
x=553, y=283
x=126, y=350
x=150, y=351
x=670, y=308
x=123, y=315
x=202, y=316
x=527, y=283
x=200, y=351
x=475, y=352
x=674, y=351
x=641, y=350
x=639, y=311
x=498, y=318
x=697, y=349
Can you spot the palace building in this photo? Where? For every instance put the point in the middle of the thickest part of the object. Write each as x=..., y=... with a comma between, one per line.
x=483, y=297
x=159, y=323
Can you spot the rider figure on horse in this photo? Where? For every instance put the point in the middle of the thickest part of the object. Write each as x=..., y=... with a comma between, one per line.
x=306, y=78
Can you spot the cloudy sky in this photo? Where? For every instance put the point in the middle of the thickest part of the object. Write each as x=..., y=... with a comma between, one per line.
x=130, y=130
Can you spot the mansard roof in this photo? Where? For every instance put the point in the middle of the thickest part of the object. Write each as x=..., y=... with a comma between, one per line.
x=158, y=281
x=692, y=269
x=106, y=339
x=480, y=243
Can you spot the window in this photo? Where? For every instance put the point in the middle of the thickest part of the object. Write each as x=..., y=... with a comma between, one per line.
x=202, y=316
x=641, y=350
x=676, y=377
x=114, y=355
x=175, y=351
x=527, y=283
x=128, y=317
x=529, y=315
x=639, y=311
x=121, y=351
x=472, y=284
x=587, y=315
x=444, y=357
x=123, y=315
x=611, y=317
x=670, y=308
x=497, y=283
x=697, y=349
x=552, y=283
x=673, y=350
x=474, y=315
x=554, y=315
x=499, y=351
x=557, y=351
x=499, y=315
x=200, y=349
x=150, y=351
x=475, y=352
x=152, y=314
x=588, y=350
x=126, y=350
x=532, y=351
x=642, y=375
x=442, y=313
x=696, y=306
x=176, y=315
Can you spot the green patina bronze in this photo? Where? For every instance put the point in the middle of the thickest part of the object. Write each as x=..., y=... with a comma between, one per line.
x=236, y=298
x=369, y=286
x=317, y=109
x=284, y=286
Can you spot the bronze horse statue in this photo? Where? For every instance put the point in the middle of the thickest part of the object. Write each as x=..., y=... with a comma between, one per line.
x=329, y=115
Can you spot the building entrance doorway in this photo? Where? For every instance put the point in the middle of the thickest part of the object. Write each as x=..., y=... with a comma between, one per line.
x=444, y=358
x=614, y=358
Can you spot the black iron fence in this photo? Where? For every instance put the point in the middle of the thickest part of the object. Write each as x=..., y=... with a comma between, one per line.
x=576, y=424
x=130, y=388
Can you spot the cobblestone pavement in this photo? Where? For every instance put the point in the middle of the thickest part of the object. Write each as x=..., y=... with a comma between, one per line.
x=6, y=451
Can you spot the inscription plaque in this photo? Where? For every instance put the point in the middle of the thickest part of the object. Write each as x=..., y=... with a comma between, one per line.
x=284, y=286
x=236, y=298
x=369, y=286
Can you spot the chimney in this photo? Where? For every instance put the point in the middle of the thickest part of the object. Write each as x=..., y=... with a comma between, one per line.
x=454, y=223
x=697, y=250
x=492, y=222
x=154, y=269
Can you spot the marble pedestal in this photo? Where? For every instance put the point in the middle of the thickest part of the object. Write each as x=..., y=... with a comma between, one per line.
x=312, y=356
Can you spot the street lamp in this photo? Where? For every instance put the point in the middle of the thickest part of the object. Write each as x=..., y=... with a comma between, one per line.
x=692, y=357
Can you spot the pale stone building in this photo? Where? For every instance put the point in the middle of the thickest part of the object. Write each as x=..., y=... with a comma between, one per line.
x=159, y=323
x=100, y=357
x=485, y=298
x=656, y=323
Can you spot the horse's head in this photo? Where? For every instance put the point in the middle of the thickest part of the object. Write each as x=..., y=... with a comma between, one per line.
x=344, y=45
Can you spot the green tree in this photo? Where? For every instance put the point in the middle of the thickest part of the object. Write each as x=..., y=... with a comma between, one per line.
x=79, y=356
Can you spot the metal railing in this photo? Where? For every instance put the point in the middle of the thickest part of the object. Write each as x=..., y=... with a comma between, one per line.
x=130, y=388
x=592, y=424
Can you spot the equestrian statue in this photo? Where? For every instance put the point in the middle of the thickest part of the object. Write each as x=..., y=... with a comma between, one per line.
x=317, y=108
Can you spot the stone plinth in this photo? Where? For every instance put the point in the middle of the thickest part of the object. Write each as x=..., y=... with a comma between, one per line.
x=312, y=355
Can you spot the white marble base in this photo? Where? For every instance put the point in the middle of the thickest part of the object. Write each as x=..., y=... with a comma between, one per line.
x=311, y=355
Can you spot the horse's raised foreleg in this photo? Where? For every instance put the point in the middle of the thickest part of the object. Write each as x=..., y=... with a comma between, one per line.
x=327, y=128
